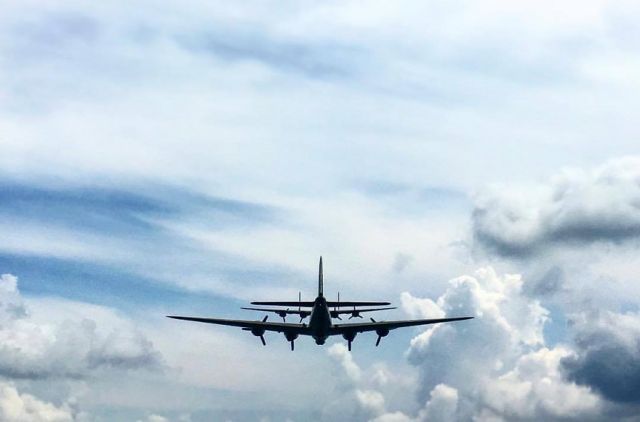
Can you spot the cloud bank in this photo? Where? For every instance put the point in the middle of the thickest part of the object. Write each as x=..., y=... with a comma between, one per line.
x=73, y=349
x=575, y=208
x=495, y=367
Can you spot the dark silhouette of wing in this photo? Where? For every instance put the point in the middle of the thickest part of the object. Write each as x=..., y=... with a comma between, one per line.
x=350, y=311
x=388, y=325
x=280, y=327
x=332, y=304
x=289, y=303
x=329, y=303
x=279, y=311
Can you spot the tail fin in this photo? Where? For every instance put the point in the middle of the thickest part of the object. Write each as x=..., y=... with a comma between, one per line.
x=320, y=281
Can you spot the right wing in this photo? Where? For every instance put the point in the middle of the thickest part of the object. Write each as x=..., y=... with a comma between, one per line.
x=279, y=327
x=388, y=325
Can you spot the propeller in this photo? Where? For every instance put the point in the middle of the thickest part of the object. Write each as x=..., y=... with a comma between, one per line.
x=283, y=315
x=355, y=313
x=303, y=315
x=381, y=332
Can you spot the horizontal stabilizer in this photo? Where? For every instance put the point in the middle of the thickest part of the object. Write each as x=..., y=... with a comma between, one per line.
x=278, y=311
x=289, y=303
x=341, y=303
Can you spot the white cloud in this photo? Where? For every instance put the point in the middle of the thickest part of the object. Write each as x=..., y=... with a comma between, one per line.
x=342, y=355
x=496, y=366
x=72, y=348
x=534, y=387
x=442, y=404
x=155, y=418
x=21, y=407
x=576, y=208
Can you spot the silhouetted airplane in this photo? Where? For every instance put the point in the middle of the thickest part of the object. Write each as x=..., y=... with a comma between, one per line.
x=320, y=326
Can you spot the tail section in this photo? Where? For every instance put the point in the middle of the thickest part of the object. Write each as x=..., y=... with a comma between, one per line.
x=320, y=281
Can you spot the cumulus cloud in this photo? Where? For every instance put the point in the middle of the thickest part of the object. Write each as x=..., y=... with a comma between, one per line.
x=68, y=349
x=18, y=407
x=495, y=367
x=607, y=357
x=574, y=208
x=354, y=400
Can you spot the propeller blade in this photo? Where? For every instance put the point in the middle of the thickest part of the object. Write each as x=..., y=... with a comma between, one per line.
x=378, y=341
x=349, y=345
x=372, y=320
x=292, y=345
x=265, y=318
x=264, y=343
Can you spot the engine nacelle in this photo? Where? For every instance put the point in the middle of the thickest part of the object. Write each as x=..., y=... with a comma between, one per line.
x=291, y=336
x=382, y=332
x=349, y=336
x=258, y=332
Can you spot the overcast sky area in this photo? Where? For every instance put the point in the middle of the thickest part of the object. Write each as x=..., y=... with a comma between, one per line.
x=452, y=157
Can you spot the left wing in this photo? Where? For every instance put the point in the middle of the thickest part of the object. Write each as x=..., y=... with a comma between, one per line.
x=279, y=327
x=387, y=325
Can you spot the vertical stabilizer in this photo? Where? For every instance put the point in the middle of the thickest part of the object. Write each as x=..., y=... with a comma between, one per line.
x=320, y=282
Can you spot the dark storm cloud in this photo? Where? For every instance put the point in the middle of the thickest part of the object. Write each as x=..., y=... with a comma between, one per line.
x=607, y=358
x=575, y=209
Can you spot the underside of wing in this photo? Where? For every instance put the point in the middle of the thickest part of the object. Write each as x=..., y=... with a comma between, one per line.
x=280, y=327
x=388, y=325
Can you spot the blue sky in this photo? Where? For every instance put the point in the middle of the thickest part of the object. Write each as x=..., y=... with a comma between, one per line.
x=188, y=157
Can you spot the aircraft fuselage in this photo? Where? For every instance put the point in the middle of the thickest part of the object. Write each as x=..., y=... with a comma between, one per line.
x=320, y=320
